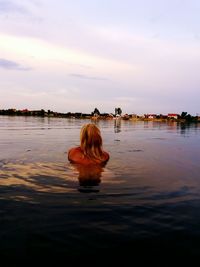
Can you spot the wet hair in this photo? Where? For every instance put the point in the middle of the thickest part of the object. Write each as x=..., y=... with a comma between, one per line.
x=91, y=141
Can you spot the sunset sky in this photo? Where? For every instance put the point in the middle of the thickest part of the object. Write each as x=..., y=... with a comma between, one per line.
x=75, y=55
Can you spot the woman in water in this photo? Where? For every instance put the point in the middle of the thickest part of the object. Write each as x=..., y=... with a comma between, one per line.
x=90, y=150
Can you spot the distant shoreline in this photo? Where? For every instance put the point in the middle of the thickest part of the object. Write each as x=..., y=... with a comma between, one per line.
x=183, y=118
x=114, y=119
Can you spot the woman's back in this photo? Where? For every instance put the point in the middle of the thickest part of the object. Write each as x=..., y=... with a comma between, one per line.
x=76, y=155
x=90, y=150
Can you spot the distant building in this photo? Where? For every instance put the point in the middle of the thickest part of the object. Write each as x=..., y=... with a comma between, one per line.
x=150, y=116
x=173, y=116
x=126, y=117
x=24, y=110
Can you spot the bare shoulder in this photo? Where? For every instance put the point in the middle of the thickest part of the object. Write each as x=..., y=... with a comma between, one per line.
x=73, y=150
x=106, y=156
x=73, y=153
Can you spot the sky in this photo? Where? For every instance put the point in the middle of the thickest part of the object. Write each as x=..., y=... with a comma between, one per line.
x=75, y=55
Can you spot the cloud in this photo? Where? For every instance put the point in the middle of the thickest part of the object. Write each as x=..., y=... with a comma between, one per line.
x=9, y=7
x=11, y=65
x=81, y=76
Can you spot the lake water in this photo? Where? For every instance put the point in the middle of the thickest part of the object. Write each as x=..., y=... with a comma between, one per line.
x=144, y=205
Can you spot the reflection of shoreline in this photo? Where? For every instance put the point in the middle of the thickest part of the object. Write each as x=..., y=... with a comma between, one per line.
x=117, y=125
x=89, y=177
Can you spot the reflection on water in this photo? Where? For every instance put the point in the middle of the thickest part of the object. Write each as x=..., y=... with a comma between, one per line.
x=41, y=177
x=54, y=178
x=89, y=177
x=117, y=125
x=186, y=128
x=145, y=200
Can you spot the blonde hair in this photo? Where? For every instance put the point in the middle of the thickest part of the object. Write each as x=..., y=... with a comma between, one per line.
x=91, y=141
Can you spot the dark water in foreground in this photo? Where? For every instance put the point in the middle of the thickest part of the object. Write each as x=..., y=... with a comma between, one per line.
x=143, y=206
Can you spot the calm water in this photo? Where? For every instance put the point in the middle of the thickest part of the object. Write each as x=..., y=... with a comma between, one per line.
x=144, y=204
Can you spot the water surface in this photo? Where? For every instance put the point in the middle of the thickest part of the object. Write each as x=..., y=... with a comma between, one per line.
x=144, y=202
